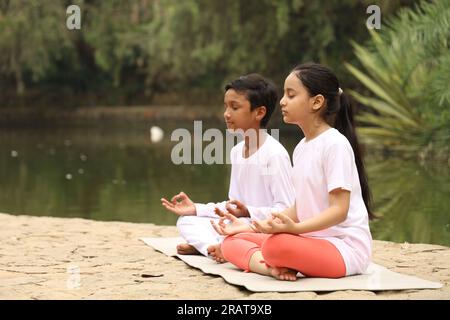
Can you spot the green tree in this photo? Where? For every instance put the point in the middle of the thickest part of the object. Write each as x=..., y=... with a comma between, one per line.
x=182, y=47
x=32, y=34
x=407, y=69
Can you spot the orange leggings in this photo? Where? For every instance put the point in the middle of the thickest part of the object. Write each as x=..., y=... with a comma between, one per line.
x=309, y=256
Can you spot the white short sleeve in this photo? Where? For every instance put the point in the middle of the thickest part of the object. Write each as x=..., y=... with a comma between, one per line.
x=338, y=165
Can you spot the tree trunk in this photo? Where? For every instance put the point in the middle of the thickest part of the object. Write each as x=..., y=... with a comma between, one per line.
x=20, y=84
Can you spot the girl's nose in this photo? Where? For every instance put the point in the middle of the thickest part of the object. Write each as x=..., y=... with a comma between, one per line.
x=282, y=102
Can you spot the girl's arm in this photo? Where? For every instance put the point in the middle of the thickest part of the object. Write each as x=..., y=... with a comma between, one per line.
x=336, y=213
x=291, y=213
x=287, y=222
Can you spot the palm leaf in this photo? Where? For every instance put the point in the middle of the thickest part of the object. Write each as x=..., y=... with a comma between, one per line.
x=385, y=109
x=407, y=70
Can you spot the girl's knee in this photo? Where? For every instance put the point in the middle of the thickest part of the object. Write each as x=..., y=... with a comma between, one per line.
x=276, y=249
x=276, y=242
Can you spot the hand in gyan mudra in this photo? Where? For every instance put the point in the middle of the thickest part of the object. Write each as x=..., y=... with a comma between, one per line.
x=180, y=204
x=228, y=224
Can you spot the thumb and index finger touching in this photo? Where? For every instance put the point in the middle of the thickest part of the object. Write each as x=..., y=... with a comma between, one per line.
x=179, y=197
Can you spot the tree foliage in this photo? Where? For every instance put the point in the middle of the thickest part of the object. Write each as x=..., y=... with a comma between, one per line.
x=407, y=70
x=31, y=37
x=157, y=46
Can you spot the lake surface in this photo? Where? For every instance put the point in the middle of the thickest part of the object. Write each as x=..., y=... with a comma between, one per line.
x=118, y=174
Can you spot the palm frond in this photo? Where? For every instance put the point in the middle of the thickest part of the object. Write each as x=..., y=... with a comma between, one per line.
x=407, y=69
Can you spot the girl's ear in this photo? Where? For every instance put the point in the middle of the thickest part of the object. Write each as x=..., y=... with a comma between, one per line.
x=260, y=112
x=318, y=102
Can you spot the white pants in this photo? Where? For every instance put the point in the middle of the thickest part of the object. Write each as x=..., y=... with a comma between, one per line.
x=198, y=232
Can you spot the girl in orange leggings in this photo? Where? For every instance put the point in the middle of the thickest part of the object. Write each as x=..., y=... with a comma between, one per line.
x=281, y=255
x=311, y=257
x=326, y=232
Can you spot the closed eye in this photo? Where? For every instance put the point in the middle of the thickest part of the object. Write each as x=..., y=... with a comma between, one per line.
x=290, y=93
x=289, y=96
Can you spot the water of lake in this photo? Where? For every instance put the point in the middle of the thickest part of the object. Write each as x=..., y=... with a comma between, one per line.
x=118, y=174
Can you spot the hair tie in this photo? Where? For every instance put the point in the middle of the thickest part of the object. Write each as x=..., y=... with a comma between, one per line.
x=340, y=91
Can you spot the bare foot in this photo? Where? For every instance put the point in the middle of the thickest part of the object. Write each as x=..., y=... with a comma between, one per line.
x=215, y=252
x=284, y=273
x=186, y=248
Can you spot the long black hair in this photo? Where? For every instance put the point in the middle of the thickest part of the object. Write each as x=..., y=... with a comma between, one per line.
x=338, y=113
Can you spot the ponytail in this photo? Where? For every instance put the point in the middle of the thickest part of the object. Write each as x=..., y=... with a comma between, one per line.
x=338, y=113
x=344, y=122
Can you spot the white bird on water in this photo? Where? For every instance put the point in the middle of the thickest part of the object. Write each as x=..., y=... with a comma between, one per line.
x=156, y=134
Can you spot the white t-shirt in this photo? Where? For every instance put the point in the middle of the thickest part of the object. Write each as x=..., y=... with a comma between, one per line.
x=321, y=165
x=263, y=181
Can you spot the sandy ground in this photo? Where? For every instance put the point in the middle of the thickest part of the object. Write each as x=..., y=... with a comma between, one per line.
x=39, y=255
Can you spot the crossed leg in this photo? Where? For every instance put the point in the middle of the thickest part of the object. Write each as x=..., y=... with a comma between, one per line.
x=283, y=255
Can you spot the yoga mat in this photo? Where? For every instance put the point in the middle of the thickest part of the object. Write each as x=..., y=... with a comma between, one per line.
x=376, y=277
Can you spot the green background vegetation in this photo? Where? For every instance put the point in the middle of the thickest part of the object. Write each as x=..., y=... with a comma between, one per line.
x=171, y=58
x=132, y=52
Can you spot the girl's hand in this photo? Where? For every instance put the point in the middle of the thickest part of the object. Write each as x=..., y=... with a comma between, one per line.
x=228, y=229
x=180, y=204
x=280, y=223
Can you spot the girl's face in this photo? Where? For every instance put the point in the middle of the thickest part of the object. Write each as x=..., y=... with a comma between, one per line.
x=297, y=106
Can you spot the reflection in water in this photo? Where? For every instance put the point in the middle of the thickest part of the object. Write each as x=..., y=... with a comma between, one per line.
x=412, y=201
x=119, y=174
